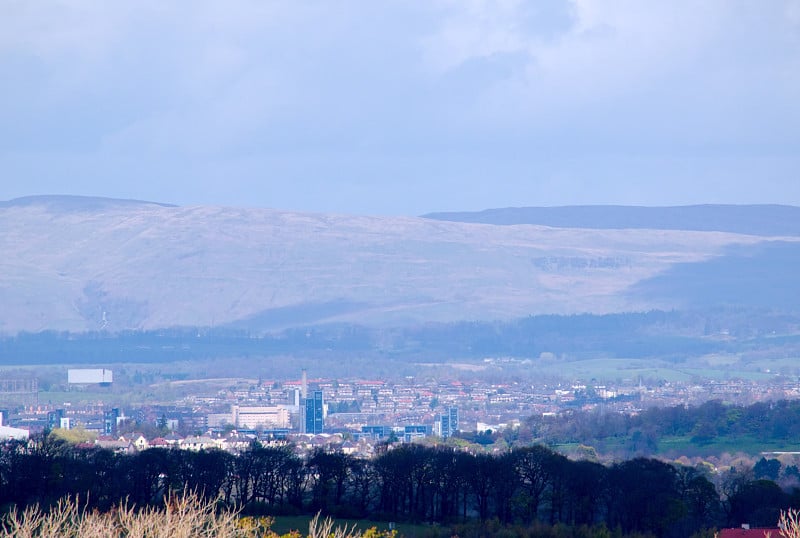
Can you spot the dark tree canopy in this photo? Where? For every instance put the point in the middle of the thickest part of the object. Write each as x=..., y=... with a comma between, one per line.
x=532, y=485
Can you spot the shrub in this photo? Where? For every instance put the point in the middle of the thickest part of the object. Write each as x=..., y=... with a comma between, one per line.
x=183, y=516
x=789, y=523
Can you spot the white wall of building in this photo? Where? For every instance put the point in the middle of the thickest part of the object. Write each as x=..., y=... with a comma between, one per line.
x=265, y=416
x=89, y=375
x=13, y=433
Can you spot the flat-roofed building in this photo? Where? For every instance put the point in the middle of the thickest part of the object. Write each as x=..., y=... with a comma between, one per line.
x=275, y=416
x=89, y=375
x=7, y=432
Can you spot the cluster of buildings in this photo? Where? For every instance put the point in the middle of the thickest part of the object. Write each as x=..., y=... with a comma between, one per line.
x=295, y=412
x=303, y=411
x=403, y=410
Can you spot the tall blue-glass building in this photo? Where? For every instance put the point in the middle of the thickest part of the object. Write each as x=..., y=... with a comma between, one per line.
x=313, y=414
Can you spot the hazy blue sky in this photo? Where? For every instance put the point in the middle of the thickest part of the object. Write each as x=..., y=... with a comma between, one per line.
x=402, y=107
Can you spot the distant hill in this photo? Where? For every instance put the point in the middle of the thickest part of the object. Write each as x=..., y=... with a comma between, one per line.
x=64, y=202
x=77, y=264
x=763, y=220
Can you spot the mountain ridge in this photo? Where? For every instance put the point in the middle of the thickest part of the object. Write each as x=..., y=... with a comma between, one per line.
x=96, y=264
x=751, y=219
x=71, y=202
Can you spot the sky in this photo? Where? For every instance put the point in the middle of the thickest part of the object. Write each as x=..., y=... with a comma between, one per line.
x=402, y=107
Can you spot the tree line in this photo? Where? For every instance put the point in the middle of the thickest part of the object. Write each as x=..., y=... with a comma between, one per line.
x=701, y=425
x=406, y=483
x=673, y=335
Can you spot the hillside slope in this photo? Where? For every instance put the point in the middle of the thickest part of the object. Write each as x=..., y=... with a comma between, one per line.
x=85, y=264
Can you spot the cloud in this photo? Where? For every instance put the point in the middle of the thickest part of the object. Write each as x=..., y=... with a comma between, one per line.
x=599, y=64
x=284, y=102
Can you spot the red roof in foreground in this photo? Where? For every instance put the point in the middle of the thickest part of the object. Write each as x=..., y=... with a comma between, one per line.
x=748, y=533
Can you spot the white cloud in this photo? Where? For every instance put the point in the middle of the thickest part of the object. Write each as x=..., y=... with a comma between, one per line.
x=475, y=29
x=363, y=91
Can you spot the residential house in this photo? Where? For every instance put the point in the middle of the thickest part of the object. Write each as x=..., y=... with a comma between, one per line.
x=198, y=442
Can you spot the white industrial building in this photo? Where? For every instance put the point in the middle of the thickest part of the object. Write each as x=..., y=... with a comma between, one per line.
x=89, y=375
x=265, y=416
x=6, y=432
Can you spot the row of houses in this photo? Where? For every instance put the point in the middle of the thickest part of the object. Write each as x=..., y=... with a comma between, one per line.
x=234, y=442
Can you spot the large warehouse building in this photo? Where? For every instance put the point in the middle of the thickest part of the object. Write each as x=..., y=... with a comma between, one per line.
x=89, y=375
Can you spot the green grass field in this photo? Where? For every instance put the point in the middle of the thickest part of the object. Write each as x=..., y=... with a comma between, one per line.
x=745, y=444
x=621, y=369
